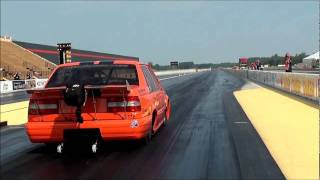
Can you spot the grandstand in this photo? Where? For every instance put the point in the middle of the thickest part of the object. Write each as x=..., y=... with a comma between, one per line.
x=16, y=59
x=50, y=53
x=39, y=60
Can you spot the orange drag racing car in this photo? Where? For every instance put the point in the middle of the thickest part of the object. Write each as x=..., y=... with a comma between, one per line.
x=103, y=100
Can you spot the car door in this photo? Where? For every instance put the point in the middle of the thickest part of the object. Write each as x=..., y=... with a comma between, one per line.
x=154, y=94
x=160, y=96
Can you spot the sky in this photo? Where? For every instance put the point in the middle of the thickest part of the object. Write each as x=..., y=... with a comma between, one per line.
x=164, y=31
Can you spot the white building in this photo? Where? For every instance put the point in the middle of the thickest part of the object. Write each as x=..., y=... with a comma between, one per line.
x=312, y=60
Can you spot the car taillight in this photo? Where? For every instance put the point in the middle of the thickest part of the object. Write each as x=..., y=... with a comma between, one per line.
x=38, y=107
x=124, y=104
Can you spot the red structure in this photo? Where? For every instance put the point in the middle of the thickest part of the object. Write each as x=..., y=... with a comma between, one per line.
x=243, y=62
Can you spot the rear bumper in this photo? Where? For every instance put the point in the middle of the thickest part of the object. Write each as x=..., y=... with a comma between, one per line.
x=46, y=132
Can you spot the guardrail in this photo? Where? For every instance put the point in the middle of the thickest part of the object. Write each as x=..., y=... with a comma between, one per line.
x=301, y=84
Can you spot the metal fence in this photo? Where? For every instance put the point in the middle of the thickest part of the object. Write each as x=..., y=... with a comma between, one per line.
x=301, y=84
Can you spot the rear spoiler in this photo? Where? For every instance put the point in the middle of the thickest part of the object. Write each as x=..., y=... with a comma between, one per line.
x=124, y=88
x=31, y=91
x=110, y=87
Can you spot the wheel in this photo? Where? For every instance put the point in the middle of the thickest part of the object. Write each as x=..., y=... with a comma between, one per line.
x=148, y=137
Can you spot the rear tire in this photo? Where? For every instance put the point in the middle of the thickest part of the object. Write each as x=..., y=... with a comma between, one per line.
x=147, y=139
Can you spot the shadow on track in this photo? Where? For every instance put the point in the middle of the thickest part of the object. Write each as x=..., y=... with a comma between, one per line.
x=83, y=150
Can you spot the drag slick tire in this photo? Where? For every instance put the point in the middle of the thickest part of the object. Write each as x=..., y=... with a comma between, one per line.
x=147, y=139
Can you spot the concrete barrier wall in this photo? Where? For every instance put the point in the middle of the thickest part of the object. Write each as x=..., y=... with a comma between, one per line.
x=179, y=71
x=305, y=85
x=18, y=85
x=175, y=72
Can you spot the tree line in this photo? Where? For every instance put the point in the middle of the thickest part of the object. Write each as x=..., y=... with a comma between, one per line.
x=274, y=60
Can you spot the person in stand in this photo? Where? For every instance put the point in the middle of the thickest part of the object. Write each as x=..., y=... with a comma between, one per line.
x=16, y=76
x=253, y=66
x=258, y=65
x=288, y=63
x=28, y=75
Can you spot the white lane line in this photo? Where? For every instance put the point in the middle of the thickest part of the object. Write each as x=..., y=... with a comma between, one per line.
x=168, y=78
x=16, y=127
x=175, y=76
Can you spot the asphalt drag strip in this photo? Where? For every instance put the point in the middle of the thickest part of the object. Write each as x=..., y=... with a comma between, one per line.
x=200, y=141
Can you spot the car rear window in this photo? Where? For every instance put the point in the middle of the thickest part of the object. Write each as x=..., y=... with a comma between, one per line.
x=111, y=74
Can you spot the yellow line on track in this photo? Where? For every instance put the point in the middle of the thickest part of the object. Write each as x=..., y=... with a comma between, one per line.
x=14, y=113
x=288, y=127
